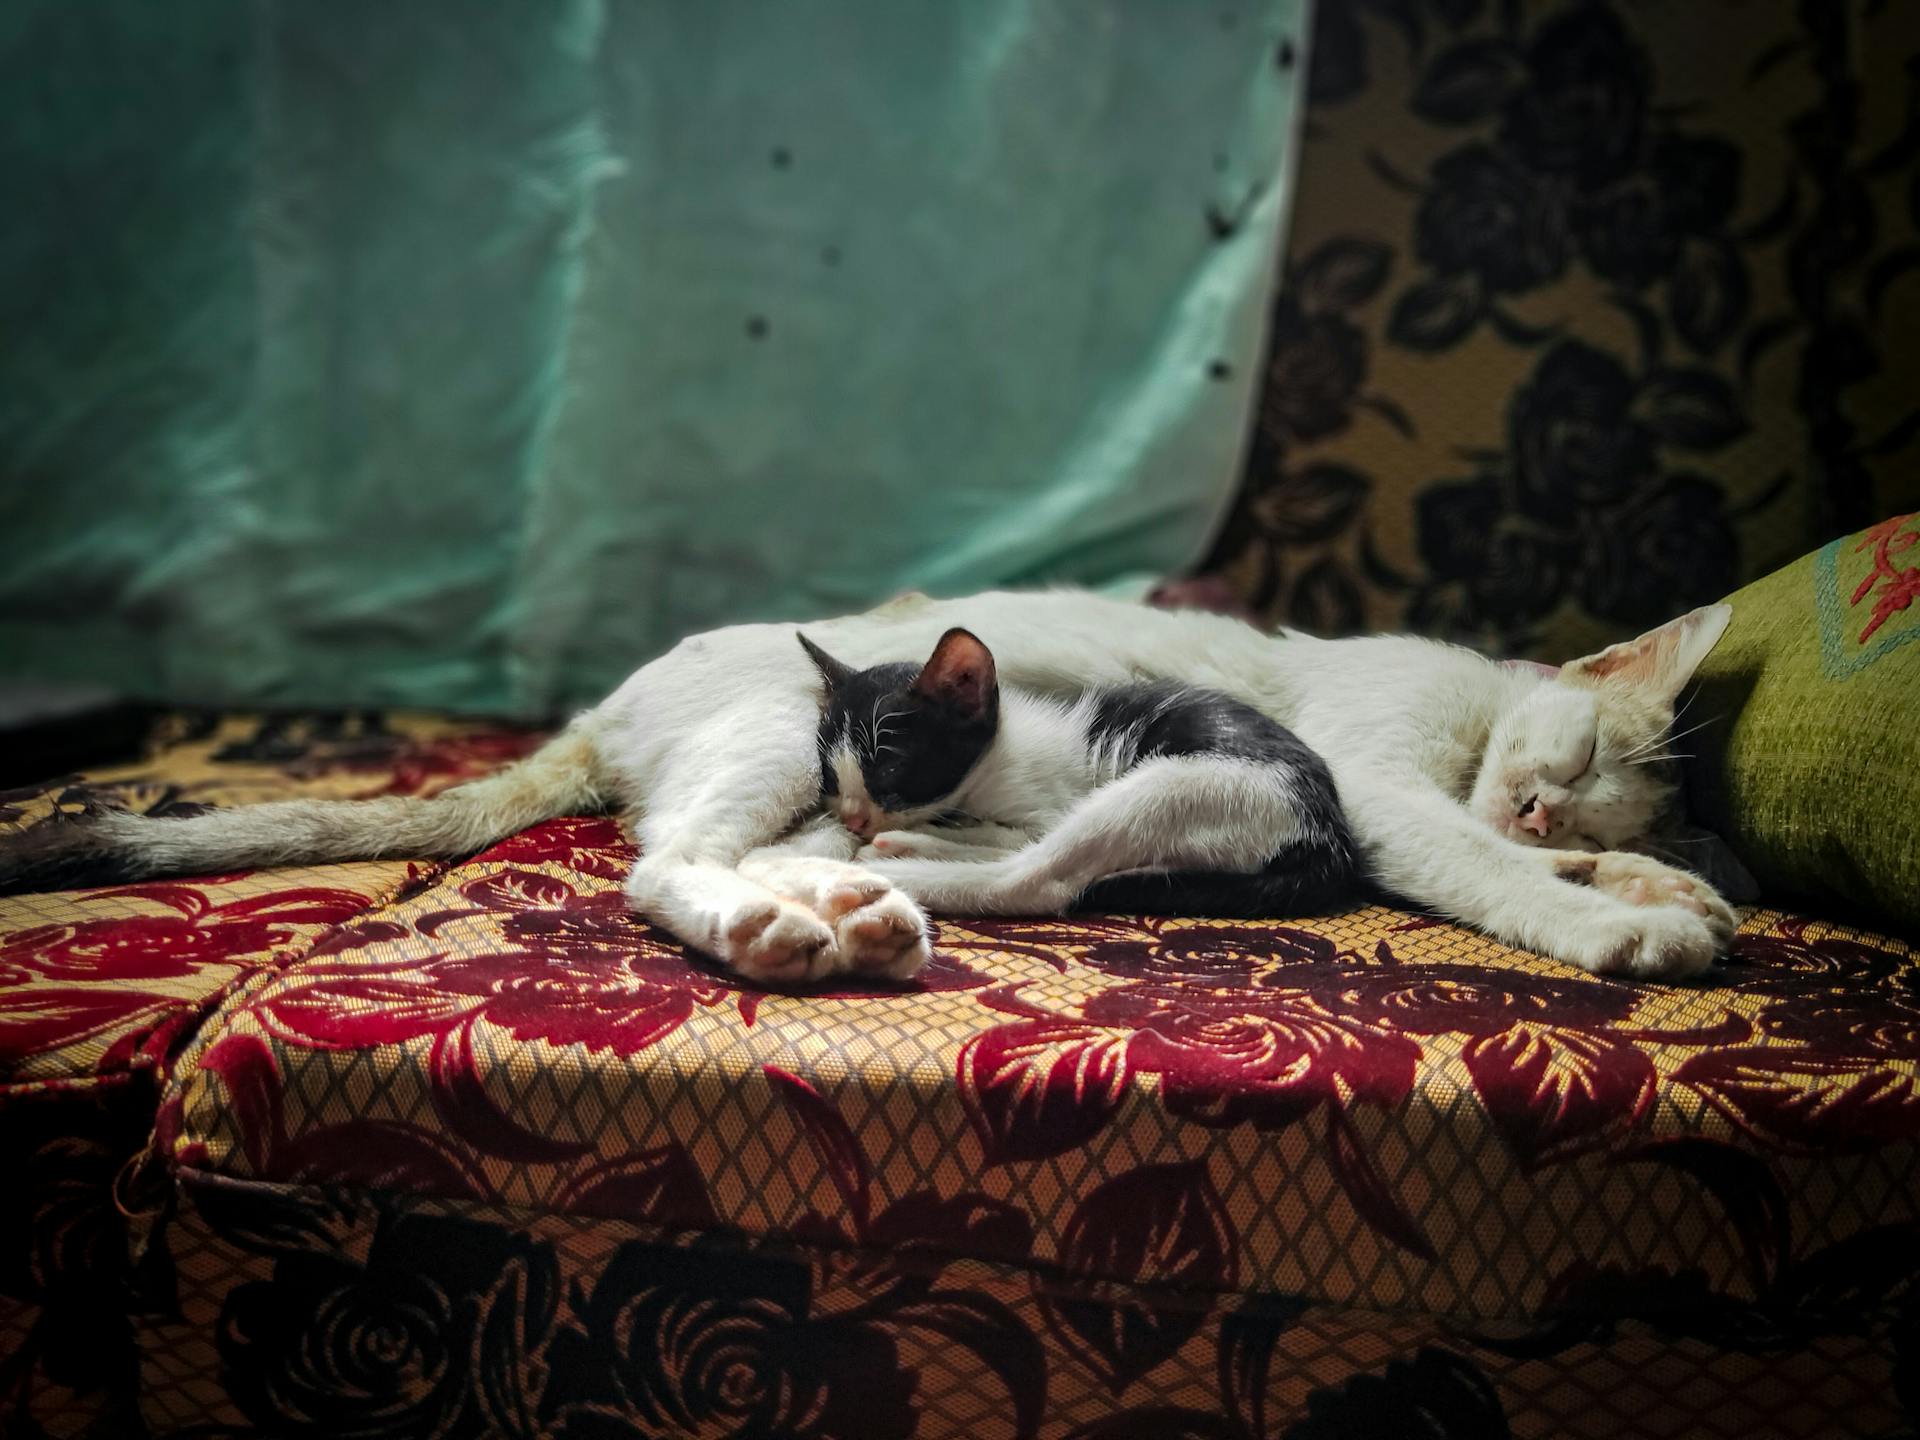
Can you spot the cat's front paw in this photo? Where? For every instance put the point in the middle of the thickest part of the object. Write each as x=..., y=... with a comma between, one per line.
x=875, y=929
x=1655, y=942
x=777, y=942
x=879, y=930
x=1642, y=881
x=893, y=845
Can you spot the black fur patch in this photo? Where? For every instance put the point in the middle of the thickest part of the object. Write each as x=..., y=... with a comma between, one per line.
x=1163, y=718
x=912, y=750
x=1317, y=872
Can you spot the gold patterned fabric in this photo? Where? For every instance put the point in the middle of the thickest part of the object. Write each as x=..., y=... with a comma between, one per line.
x=96, y=983
x=491, y=1155
x=305, y=1311
x=1592, y=311
x=97, y=988
x=1375, y=1109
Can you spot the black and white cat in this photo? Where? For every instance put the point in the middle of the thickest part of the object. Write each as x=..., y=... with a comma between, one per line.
x=1470, y=788
x=1013, y=796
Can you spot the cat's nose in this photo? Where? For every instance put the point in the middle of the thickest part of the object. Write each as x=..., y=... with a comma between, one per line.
x=1536, y=815
x=855, y=815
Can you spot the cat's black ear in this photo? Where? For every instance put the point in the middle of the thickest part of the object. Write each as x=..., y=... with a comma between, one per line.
x=960, y=675
x=831, y=670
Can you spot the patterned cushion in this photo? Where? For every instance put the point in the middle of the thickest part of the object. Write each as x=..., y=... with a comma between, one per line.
x=1376, y=1109
x=96, y=986
x=1808, y=767
x=1044, y=1179
x=1591, y=311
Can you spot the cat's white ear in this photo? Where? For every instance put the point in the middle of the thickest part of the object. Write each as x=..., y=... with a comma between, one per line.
x=831, y=670
x=960, y=674
x=1662, y=660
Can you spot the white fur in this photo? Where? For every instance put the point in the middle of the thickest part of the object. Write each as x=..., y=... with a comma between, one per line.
x=1063, y=813
x=1170, y=813
x=712, y=746
x=710, y=754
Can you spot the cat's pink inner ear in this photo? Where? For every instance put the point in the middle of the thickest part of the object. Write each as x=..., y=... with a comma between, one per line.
x=1663, y=659
x=960, y=672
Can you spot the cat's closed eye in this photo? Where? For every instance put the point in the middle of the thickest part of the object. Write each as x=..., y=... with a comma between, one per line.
x=1593, y=751
x=1566, y=772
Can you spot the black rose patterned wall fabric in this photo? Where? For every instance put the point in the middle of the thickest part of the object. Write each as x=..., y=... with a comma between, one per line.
x=1591, y=313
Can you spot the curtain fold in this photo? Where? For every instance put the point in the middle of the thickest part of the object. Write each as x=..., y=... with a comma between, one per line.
x=466, y=356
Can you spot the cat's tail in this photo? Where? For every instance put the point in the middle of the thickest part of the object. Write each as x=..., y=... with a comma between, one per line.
x=562, y=777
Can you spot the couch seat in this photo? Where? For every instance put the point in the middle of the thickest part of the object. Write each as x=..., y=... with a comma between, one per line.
x=1374, y=1110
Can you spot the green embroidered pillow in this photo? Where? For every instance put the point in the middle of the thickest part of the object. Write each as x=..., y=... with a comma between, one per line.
x=1811, y=770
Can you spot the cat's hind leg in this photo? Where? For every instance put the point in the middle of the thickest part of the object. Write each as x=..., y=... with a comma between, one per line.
x=877, y=930
x=732, y=788
x=1189, y=813
x=947, y=842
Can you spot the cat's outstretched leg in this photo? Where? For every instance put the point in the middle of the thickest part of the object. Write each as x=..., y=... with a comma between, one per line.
x=1190, y=813
x=980, y=841
x=732, y=787
x=877, y=930
x=1609, y=913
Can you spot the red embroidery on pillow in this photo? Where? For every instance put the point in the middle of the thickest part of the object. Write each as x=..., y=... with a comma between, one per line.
x=1897, y=587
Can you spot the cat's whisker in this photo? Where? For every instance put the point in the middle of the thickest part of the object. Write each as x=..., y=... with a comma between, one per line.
x=1667, y=737
x=878, y=727
x=1662, y=756
x=1682, y=734
x=1650, y=743
x=1683, y=709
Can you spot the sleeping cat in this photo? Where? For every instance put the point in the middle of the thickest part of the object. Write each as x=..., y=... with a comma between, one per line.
x=906, y=747
x=1500, y=798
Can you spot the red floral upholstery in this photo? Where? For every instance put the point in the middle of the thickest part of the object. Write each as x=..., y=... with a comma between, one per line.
x=98, y=986
x=473, y=1150
x=1371, y=1110
x=95, y=983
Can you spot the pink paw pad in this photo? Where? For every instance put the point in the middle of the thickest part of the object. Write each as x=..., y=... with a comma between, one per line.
x=846, y=898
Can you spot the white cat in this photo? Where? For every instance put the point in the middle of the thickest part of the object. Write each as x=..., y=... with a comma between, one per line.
x=1496, y=796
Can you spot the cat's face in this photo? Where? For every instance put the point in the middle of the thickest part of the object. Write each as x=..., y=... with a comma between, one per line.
x=896, y=741
x=1584, y=762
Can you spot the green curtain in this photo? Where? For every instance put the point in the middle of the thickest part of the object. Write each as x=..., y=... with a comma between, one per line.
x=466, y=355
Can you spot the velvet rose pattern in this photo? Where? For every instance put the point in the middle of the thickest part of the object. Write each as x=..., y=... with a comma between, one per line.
x=67, y=1279
x=1551, y=1058
x=1317, y=358
x=338, y=1314
x=393, y=1347
x=1646, y=284
x=1134, y=1165
x=508, y=954
x=115, y=989
x=694, y=1343
x=1066, y=1039
x=437, y=1329
x=1569, y=162
x=1581, y=505
x=1583, y=501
